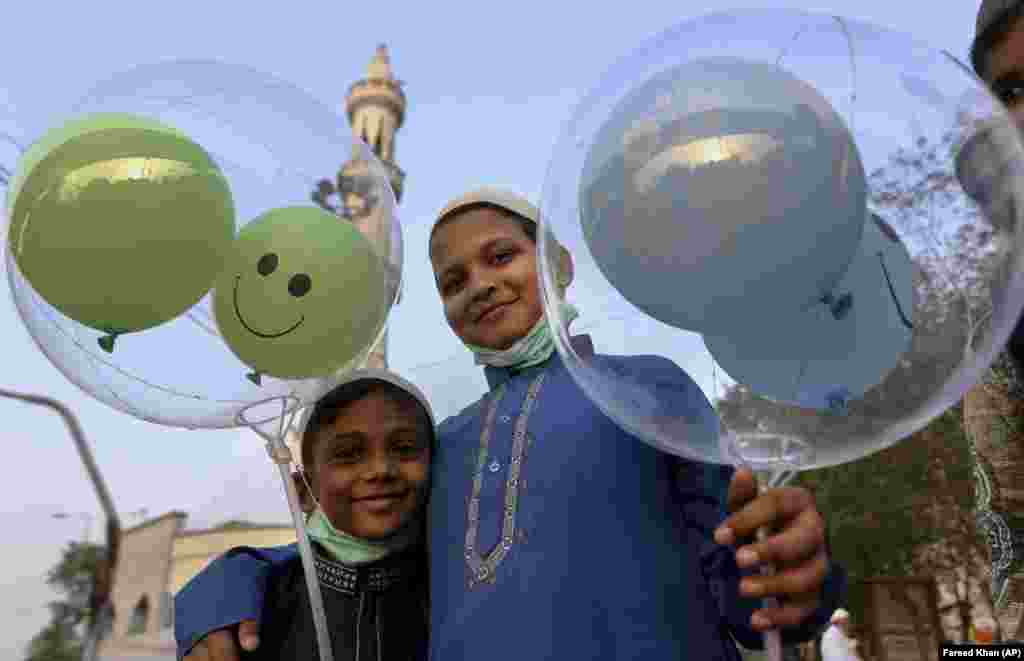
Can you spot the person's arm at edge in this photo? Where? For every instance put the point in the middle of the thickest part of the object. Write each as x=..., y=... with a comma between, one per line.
x=228, y=591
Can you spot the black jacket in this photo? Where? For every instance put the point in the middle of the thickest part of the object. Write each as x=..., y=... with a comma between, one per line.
x=375, y=612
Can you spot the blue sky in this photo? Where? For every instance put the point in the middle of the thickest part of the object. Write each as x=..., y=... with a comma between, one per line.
x=488, y=86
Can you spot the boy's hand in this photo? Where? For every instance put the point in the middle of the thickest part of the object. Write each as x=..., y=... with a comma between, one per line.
x=221, y=645
x=796, y=547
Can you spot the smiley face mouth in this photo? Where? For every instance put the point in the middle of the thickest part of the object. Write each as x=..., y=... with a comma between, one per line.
x=266, y=336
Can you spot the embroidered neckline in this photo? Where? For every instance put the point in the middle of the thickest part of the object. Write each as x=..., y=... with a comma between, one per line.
x=482, y=568
x=353, y=580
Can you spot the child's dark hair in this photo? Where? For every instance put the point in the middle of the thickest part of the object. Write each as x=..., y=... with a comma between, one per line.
x=994, y=35
x=529, y=227
x=331, y=405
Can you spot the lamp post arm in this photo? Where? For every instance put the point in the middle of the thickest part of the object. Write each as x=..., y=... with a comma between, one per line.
x=103, y=581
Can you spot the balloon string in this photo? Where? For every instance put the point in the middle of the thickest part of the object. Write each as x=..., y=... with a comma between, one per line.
x=6, y=173
x=892, y=293
x=853, y=71
x=194, y=318
x=714, y=376
x=799, y=379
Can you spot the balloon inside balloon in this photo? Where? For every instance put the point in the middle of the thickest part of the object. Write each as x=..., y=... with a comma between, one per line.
x=303, y=294
x=730, y=197
x=122, y=218
x=822, y=358
x=104, y=208
x=720, y=191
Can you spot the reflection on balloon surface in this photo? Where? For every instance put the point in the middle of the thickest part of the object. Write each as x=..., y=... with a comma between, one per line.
x=702, y=168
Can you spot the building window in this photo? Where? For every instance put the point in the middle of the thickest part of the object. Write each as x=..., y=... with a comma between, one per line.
x=137, y=625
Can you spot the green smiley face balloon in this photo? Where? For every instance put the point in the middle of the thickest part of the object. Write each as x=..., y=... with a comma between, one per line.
x=303, y=295
x=119, y=222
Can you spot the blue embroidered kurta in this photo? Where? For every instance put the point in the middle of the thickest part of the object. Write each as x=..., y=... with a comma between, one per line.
x=566, y=538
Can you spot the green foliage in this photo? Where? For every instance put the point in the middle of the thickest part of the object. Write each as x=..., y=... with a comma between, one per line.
x=72, y=576
x=883, y=508
x=1005, y=377
x=56, y=642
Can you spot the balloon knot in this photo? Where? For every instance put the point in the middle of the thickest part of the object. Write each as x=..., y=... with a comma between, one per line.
x=254, y=377
x=840, y=307
x=107, y=342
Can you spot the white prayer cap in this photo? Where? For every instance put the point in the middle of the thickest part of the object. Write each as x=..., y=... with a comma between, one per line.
x=369, y=374
x=499, y=197
x=840, y=615
x=394, y=379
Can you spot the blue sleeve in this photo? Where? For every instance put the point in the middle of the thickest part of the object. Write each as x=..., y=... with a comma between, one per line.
x=703, y=491
x=228, y=591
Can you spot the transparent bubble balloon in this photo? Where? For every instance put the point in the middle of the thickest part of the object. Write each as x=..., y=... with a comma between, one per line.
x=165, y=235
x=814, y=217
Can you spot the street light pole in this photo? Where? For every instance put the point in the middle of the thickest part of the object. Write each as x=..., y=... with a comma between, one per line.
x=101, y=606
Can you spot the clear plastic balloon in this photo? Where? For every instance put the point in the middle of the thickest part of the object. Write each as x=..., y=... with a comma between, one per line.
x=269, y=143
x=828, y=342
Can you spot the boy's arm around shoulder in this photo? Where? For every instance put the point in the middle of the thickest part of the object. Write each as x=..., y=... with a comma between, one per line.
x=229, y=590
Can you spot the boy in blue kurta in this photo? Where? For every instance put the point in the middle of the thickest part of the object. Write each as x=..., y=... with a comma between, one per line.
x=553, y=533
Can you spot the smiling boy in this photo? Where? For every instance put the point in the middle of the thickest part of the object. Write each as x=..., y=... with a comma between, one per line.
x=366, y=451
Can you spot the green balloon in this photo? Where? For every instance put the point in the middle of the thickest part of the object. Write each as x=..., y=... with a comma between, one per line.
x=304, y=294
x=120, y=222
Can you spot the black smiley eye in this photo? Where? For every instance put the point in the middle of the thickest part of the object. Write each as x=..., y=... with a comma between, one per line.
x=267, y=264
x=299, y=285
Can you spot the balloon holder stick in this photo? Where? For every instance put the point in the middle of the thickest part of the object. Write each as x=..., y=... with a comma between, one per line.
x=774, y=458
x=273, y=432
